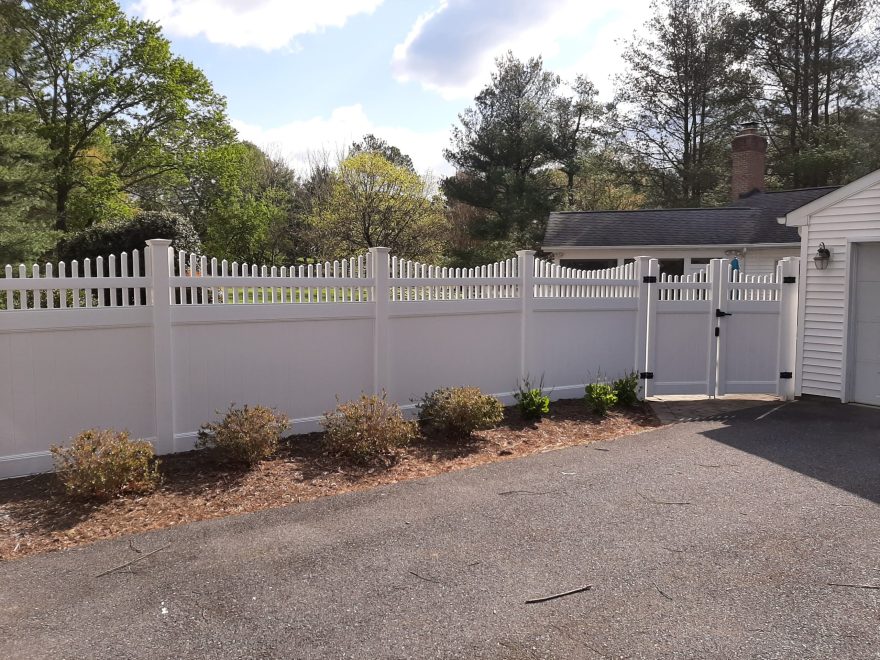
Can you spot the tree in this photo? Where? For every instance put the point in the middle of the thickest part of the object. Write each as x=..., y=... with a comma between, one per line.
x=371, y=144
x=504, y=149
x=816, y=58
x=575, y=122
x=91, y=74
x=241, y=200
x=25, y=232
x=374, y=203
x=688, y=89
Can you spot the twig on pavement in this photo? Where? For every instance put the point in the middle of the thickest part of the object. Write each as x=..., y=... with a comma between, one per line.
x=561, y=595
x=854, y=586
x=134, y=561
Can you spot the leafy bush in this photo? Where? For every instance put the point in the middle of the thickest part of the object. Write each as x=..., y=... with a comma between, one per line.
x=600, y=397
x=103, y=463
x=245, y=435
x=367, y=429
x=128, y=235
x=531, y=401
x=626, y=389
x=459, y=411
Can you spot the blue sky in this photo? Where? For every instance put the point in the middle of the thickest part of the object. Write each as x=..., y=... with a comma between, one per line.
x=302, y=77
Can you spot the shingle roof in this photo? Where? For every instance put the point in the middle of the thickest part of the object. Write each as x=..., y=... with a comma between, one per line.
x=748, y=220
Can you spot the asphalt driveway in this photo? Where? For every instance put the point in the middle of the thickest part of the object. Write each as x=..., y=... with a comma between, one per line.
x=709, y=539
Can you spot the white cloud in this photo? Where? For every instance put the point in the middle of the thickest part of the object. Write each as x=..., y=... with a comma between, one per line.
x=265, y=24
x=294, y=141
x=452, y=49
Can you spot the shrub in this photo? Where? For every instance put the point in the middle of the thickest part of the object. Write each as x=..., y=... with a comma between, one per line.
x=600, y=397
x=531, y=401
x=626, y=389
x=245, y=435
x=103, y=463
x=128, y=235
x=459, y=411
x=367, y=429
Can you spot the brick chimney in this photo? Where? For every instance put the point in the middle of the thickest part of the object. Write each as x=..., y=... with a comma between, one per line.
x=749, y=158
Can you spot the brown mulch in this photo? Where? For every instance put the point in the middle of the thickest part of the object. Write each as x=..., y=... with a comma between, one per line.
x=36, y=517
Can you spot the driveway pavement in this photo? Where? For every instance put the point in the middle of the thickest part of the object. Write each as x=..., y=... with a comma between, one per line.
x=710, y=539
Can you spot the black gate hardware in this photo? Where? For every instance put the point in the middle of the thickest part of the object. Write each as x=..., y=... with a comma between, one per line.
x=646, y=374
x=649, y=279
x=789, y=279
x=717, y=332
x=786, y=375
x=719, y=314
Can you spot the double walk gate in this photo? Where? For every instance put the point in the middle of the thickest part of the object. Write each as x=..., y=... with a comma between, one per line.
x=720, y=331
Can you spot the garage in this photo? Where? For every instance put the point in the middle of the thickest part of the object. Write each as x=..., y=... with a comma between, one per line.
x=838, y=347
x=865, y=322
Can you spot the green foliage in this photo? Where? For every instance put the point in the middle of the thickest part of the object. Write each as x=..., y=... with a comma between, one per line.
x=600, y=397
x=531, y=401
x=368, y=429
x=245, y=435
x=459, y=411
x=128, y=235
x=103, y=463
x=372, y=202
x=502, y=149
x=25, y=221
x=93, y=76
x=626, y=389
x=685, y=90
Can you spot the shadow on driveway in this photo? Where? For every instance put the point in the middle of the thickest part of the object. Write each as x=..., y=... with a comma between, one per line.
x=829, y=441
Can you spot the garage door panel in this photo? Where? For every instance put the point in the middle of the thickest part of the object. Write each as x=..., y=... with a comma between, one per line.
x=866, y=331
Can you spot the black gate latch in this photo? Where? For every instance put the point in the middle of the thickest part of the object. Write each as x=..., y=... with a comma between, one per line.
x=719, y=313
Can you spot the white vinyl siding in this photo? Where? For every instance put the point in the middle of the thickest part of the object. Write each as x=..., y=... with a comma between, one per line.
x=851, y=220
x=754, y=260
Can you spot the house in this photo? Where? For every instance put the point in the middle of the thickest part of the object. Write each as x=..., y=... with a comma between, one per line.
x=684, y=240
x=838, y=345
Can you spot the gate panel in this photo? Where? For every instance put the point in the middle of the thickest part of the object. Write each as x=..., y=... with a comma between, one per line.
x=680, y=328
x=720, y=331
x=748, y=348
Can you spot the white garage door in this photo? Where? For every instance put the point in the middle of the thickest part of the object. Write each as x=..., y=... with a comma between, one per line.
x=866, y=361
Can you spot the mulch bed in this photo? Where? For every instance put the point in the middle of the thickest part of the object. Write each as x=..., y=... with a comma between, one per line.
x=35, y=516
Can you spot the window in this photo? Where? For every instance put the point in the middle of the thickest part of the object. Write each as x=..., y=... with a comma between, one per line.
x=672, y=266
x=588, y=264
x=628, y=261
x=700, y=261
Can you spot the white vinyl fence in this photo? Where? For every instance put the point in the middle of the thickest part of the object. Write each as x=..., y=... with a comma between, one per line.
x=157, y=342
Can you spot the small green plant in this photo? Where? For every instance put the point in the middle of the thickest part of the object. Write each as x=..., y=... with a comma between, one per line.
x=245, y=435
x=459, y=411
x=600, y=397
x=531, y=401
x=103, y=463
x=367, y=429
x=626, y=389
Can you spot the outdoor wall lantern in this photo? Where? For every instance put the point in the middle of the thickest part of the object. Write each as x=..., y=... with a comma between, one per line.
x=823, y=256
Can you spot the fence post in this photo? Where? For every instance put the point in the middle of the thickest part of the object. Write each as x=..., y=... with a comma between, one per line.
x=651, y=298
x=643, y=294
x=719, y=293
x=163, y=360
x=526, y=264
x=788, y=313
x=380, y=262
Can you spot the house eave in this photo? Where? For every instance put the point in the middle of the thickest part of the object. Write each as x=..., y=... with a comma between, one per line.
x=801, y=216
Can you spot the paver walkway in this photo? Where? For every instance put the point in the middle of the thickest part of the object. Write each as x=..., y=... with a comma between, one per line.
x=712, y=539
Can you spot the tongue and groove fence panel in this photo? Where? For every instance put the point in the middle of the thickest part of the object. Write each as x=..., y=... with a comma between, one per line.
x=157, y=342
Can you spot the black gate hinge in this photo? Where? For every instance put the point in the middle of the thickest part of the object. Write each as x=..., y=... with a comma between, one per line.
x=649, y=279
x=789, y=279
x=646, y=374
x=785, y=375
